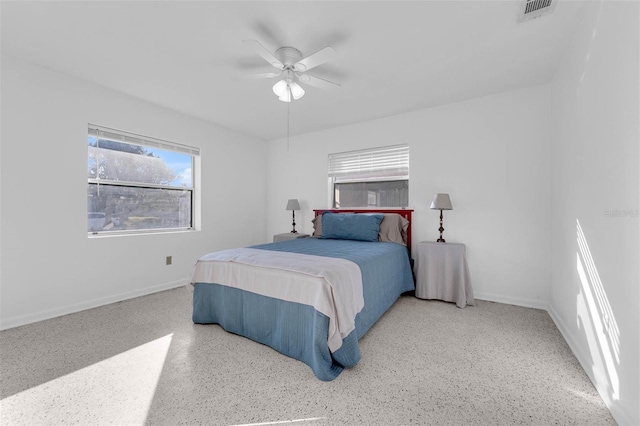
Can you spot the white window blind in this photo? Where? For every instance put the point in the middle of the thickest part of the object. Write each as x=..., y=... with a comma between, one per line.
x=132, y=138
x=384, y=163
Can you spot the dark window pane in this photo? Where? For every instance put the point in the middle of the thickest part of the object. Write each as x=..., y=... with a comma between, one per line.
x=113, y=208
x=393, y=193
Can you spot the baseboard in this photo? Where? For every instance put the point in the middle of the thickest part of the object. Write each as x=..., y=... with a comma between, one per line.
x=526, y=303
x=597, y=377
x=78, y=307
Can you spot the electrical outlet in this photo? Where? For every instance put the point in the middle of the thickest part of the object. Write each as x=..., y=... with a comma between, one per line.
x=169, y=260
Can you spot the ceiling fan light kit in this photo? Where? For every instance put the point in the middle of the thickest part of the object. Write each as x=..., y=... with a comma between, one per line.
x=287, y=89
x=290, y=62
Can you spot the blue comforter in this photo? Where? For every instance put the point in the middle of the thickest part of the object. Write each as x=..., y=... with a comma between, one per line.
x=298, y=330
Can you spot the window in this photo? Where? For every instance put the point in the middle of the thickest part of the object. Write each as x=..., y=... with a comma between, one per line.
x=137, y=183
x=377, y=177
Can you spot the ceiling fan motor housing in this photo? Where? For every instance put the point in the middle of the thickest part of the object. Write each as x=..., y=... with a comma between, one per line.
x=289, y=56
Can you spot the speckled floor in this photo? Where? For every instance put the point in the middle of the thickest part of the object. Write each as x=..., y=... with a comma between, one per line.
x=143, y=361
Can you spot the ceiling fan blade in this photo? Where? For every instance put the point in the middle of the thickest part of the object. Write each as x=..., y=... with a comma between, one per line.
x=315, y=59
x=262, y=51
x=318, y=82
x=261, y=75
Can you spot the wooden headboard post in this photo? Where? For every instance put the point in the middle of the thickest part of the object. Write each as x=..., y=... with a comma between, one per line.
x=406, y=213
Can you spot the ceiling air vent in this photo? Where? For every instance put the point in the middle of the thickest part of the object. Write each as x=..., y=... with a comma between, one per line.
x=532, y=9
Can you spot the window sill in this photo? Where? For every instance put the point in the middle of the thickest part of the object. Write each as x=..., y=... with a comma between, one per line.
x=136, y=233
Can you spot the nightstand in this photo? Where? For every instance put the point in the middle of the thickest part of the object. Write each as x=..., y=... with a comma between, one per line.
x=442, y=273
x=288, y=236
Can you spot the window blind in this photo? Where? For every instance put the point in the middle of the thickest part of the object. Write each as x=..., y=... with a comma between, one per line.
x=391, y=162
x=132, y=138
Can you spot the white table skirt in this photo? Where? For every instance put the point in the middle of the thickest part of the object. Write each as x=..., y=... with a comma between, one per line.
x=442, y=273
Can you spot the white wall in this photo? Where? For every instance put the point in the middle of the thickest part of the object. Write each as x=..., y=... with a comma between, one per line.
x=49, y=266
x=594, y=295
x=490, y=154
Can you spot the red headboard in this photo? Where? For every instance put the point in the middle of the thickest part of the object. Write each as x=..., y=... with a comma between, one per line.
x=406, y=213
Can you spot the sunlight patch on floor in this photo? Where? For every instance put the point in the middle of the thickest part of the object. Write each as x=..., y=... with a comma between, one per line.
x=118, y=390
x=594, y=399
x=284, y=422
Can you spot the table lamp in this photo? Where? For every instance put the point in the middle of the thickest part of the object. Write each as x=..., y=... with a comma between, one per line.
x=441, y=202
x=293, y=205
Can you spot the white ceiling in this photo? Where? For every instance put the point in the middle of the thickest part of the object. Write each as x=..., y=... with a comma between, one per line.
x=394, y=56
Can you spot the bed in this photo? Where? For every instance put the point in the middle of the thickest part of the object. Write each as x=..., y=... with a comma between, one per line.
x=312, y=298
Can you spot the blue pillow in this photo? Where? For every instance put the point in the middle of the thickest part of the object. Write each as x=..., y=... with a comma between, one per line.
x=347, y=226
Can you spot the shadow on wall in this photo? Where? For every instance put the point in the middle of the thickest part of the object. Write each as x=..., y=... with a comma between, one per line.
x=596, y=319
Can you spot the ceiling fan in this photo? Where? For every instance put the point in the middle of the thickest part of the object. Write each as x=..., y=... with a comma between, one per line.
x=292, y=67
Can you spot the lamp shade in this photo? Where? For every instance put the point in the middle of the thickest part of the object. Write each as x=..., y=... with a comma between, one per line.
x=441, y=202
x=280, y=88
x=293, y=204
x=296, y=91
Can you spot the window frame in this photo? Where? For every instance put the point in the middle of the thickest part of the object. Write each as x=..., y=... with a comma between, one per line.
x=114, y=135
x=380, y=164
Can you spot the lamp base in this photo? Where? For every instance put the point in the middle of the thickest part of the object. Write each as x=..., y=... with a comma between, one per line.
x=293, y=231
x=441, y=229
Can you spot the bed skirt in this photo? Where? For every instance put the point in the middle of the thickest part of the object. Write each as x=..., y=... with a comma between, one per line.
x=293, y=329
